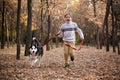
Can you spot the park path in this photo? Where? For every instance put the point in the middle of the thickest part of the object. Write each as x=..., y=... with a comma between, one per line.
x=90, y=64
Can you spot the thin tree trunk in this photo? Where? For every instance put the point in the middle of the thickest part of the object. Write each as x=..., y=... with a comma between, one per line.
x=106, y=23
x=6, y=29
x=116, y=31
x=18, y=30
x=56, y=38
x=3, y=25
x=29, y=24
x=94, y=6
x=119, y=47
x=48, y=34
x=101, y=39
x=56, y=42
x=12, y=32
x=97, y=37
x=42, y=23
x=98, y=40
x=113, y=27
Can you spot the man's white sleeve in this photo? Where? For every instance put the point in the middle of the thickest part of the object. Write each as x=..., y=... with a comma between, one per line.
x=79, y=31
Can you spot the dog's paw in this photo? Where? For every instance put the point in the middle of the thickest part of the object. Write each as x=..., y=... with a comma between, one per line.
x=35, y=61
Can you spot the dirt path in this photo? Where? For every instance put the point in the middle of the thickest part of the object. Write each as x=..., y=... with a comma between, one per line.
x=90, y=64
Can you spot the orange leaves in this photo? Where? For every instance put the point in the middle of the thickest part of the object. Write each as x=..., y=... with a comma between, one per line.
x=90, y=64
x=43, y=5
x=23, y=18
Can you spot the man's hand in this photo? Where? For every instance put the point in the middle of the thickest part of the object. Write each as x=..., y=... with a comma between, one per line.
x=81, y=44
x=59, y=35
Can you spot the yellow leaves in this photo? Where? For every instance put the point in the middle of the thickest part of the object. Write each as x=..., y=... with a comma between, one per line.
x=118, y=32
x=91, y=36
x=91, y=19
x=23, y=18
x=12, y=3
x=43, y=5
x=98, y=22
x=34, y=27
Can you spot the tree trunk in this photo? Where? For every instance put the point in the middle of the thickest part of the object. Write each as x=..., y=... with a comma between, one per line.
x=42, y=24
x=117, y=25
x=113, y=27
x=57, y=45
x=101, y=36
x=6, y=29
x=7, y=36
x=29, y=24
x=56, y=38
x=94, y=7
x=106, y=23
x=48, y=46
x=119, y=47
x=18, y=30
x=12, y=40
x=117, y=29
x=97, y=37
x=3, y=25
x=98, y=40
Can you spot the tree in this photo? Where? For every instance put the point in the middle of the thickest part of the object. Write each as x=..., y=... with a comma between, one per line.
x=18, y=30
x=113, y=26
x=116, y=9
x=106, y=24
x=29, y=24
x=41, y=22
x=3, y=23
x=98, y=30
x=48, y=7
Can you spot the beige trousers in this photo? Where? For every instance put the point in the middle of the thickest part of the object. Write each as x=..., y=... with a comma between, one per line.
x=68, y=51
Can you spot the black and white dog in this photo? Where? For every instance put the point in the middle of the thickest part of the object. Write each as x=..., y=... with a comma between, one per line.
x=35, y=52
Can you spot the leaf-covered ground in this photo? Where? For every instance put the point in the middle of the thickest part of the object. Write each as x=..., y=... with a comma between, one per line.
x=90, y=64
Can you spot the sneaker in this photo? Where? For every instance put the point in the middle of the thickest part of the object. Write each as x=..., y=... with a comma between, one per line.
x=72, y=58
x=67, y=66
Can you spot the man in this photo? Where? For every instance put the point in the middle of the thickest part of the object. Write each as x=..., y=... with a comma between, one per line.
x=67, y=31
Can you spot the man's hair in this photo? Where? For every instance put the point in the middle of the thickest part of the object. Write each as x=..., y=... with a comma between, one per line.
x=66, y=15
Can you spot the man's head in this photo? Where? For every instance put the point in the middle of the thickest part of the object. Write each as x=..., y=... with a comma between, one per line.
x=67, y=17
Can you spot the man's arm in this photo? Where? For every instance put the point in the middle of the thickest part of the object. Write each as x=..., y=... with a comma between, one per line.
x=60, y=32
x=79, y=31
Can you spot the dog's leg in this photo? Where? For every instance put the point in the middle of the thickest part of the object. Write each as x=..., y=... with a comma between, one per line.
x=31, y=63
x=36, y=60
x=32, y=59
x=39, y=62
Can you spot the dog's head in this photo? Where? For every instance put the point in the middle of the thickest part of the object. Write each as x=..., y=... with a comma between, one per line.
x=33, y=49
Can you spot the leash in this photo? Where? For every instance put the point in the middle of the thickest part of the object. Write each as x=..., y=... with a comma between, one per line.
x=71, y=46
x=50, y=39
x=64, y=43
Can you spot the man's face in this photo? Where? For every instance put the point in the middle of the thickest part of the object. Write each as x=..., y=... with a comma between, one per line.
x=67, y=18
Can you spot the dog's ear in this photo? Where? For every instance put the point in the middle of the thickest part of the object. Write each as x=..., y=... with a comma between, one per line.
x=30, y=45
x=34, y=38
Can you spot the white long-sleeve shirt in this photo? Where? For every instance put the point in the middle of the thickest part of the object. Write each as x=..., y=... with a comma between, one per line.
x=68, y=31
